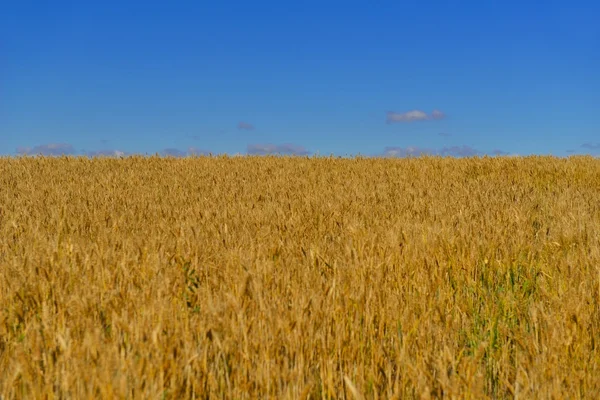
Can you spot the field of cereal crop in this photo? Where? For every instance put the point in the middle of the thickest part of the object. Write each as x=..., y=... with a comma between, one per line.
x=298, y=277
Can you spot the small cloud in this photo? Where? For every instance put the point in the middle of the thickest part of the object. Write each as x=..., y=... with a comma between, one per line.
x=459, y=151
x=286, y=148
x=570, y=151
x=498, y=152
x=444, y=134
x=437, y=114
x=245, y=126
x=409, y=116
x=105, y=153
x=413, y=115
x=415, y=151
x=171, y=152
x=50, y=149
x=410, y=151
x=191, y=151
x=591, y=146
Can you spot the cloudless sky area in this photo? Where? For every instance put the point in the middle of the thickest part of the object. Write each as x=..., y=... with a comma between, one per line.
x=386, y=78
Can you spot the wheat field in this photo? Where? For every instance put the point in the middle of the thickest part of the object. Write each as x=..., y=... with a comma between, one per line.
x=299, y=277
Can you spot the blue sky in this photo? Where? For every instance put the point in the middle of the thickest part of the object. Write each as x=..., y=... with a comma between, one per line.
x=310, y=77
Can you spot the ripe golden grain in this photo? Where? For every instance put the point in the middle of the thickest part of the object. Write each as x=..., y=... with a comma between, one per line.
x=268, y=277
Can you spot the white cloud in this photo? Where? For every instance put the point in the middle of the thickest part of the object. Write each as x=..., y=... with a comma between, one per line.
x=415, y=151
x=413, y=115
x=409, y=116
x=50, y=149
x=105, y=153
x=410, y=151
x=437, y=114
x=459, y=151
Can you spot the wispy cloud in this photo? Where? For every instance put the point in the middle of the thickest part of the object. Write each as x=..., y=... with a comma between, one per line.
x=437, y=114
x=191, y=151
x=444, y=134
x=413, y=115
x=49, y=149
x=459, y=151
x=410, y=151
x=415, y=151
x=591, y=146
x=245, y=126
x=168, y=152
x=498, y=152
x=409, y=116
x=286, y=148
x=105, y=153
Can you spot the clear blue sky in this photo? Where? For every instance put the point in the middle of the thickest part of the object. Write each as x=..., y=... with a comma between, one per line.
x=306, y=77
